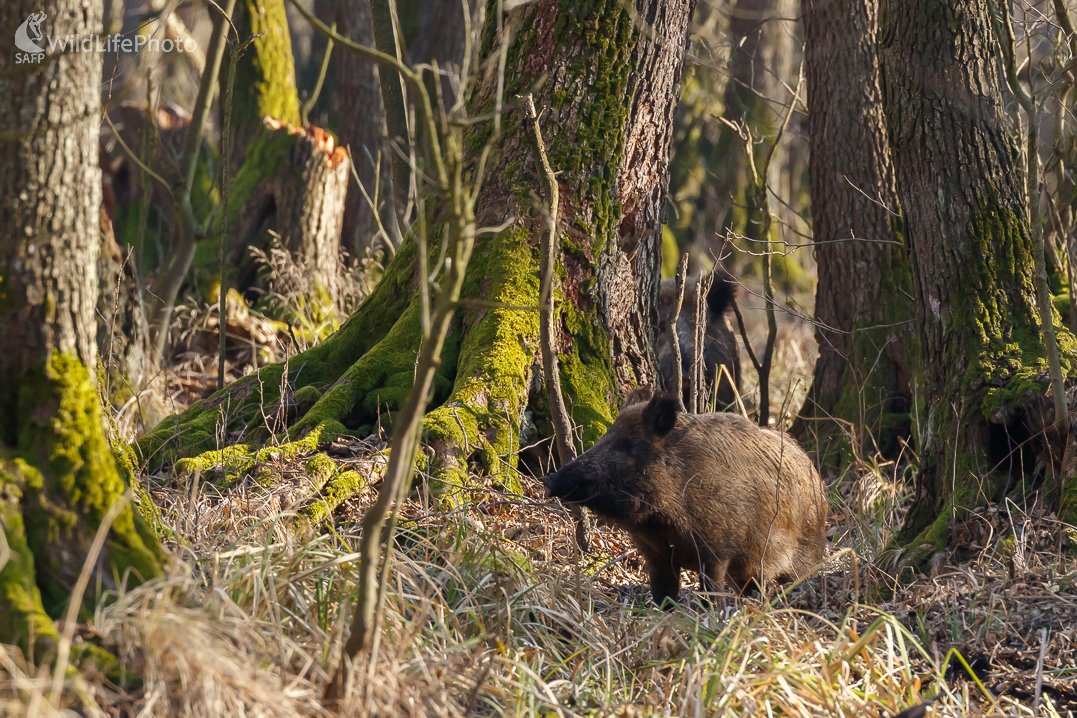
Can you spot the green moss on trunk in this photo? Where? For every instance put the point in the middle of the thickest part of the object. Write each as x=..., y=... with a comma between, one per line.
x=996, y=363
x=265, y=76
x=244, y=404
x=75, y=483
x=58, y=481
x=590, y=52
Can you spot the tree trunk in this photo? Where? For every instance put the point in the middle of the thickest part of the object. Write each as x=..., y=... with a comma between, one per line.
x=265, y=76
x=610, y=94
x=58, y=477
x=302, y=199
x=440, y=34
x=863, y=303
x=985, y=366
x=763, y=66
x=362, y=121
x=293, y=179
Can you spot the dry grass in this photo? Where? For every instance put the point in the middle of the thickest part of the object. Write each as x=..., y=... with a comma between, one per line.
x=488, y=611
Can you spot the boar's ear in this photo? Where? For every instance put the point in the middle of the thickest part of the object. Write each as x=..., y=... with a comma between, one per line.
x=660, y=415
x=638, y=396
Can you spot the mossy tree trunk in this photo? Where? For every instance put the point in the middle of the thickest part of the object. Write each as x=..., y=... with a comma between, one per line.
x=862, y=393
x=610, y=93
x=985, y=367
x=58, y=476
x=265, y=76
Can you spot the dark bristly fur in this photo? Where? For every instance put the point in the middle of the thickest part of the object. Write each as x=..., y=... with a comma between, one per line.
x=712, y=493
x=719, y=345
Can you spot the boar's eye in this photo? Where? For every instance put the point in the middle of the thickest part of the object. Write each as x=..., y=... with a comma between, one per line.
x=623, y=446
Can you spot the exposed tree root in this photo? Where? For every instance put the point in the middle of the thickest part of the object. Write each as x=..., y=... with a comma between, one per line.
x=354, y=382
x=260, y=405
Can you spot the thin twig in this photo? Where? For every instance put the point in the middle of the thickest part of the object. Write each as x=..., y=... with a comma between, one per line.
x=226, y=157
x=1039, y=673
x=674, y=338
x=71, y=616
x=313, y=99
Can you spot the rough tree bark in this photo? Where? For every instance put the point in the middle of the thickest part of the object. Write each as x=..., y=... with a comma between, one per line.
x=301, y=198
x=867, y=365
x=362, y=120
x=58, y=476
x=985, y=369
x=610, y=93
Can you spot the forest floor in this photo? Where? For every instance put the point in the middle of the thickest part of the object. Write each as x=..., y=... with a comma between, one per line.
x=490, y=610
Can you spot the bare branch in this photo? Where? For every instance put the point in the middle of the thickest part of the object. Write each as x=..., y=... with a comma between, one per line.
x=562, y=423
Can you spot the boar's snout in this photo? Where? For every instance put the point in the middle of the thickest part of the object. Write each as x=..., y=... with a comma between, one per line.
x=562, y=484
x=548, y=483
x=554, y=483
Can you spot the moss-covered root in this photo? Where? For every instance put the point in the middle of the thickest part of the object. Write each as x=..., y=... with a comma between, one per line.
x=57, y=483
x=266, y=401
x=482, y=416
x=22, y=616
x=340, y=486
x=1067, y=492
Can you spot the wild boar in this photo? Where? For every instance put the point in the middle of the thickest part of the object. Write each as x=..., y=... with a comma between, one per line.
x=711, y=493
x=719, y=344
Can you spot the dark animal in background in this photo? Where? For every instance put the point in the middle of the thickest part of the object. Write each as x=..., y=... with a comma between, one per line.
x=719, y=345
x=712, y=493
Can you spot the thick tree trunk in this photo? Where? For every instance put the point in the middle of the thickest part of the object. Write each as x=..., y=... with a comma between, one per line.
x=610, y=94
x=441, y=33
x=362, y=122
x=57, y=475
x=863, y=303
x=985, y=370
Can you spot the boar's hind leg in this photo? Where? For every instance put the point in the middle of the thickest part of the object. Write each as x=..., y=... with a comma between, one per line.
x=665, y=577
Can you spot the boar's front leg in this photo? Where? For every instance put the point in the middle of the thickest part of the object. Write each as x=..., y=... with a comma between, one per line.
x=712, y=577
x=665, y=576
